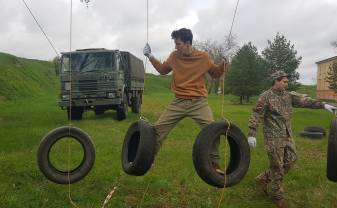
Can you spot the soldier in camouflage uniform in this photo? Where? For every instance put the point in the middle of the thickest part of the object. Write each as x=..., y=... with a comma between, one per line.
x=274, y=108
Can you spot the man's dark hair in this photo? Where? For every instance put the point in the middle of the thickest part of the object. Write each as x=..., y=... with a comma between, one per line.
x=278, y=79
x=183, y=34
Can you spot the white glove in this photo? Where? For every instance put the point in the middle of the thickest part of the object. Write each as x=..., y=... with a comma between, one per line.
x=147, y=51
x=252, y=141
x=330, y=108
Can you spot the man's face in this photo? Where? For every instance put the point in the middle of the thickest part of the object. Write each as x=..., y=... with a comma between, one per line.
x=281, y=85
x=182, y=48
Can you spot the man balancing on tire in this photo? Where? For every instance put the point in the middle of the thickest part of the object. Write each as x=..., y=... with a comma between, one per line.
x=274, y=108
x=188, y=66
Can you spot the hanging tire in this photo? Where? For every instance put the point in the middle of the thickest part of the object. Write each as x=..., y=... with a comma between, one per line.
x=76, y=174
x=239, y=155
x=138, y=148
x=332, y=152
x=312, y=135
x=315, y=129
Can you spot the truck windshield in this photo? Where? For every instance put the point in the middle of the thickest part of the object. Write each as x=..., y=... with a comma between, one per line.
x=87, y=62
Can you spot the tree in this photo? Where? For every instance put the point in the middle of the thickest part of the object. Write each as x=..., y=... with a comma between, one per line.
x=332, y=77
x=247, y=76
x=281, y=55
x=217, y=50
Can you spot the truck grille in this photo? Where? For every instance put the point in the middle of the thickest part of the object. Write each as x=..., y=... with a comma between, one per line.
x=87, y=85
x=91, y=87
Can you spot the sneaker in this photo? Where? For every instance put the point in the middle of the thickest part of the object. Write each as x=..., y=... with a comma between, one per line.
x=263, y=184
x=281, y=203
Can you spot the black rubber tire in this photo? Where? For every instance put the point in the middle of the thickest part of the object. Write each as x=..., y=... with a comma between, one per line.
x=239, y=154
x=138, y=148
x=312, y=135
x=315, y=129
x=332, y=152
x=122, y=109
x=135, y=104
x=99, y=111
x=79, y=172
x=76, y=113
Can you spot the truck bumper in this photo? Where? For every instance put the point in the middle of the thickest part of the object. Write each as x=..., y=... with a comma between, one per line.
x=90, y=102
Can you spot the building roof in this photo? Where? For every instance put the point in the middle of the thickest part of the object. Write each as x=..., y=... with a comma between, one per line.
x=327, y=60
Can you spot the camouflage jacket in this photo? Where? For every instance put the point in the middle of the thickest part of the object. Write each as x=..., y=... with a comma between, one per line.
x=274, y=108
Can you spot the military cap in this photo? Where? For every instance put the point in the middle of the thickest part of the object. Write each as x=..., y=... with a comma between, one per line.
x=278, y=74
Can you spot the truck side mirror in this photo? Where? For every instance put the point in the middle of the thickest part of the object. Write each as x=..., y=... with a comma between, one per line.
x=57, y=65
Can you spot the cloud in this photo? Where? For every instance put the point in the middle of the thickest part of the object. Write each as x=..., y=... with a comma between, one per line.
x=309, y=25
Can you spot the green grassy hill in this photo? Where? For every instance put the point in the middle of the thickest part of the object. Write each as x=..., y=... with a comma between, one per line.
x=310, y=90
x=157, y=83
x=21, y=78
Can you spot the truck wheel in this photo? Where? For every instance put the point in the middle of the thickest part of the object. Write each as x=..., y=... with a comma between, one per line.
x=239, y=155
x=122, y=109
x=135, y=104
x=332, y=152
x=76, y=113
x=99, y=111
x=138, y=150
x=76, y=174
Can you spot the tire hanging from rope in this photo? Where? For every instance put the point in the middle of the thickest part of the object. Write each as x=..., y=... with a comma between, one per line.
x=331, y=170
x=69, y=132
x=138, y=151
x=239, y=148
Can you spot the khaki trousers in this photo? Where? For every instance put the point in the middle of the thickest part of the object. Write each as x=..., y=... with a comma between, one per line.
x=179, y=108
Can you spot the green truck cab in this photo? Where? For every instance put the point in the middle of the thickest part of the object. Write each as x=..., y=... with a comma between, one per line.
x=99, y=80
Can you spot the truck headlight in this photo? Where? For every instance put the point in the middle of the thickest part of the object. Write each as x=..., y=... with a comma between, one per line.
x=65, y=97
x=111, y=95
x=67, y=86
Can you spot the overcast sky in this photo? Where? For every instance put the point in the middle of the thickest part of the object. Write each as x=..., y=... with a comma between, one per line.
x=121, y=24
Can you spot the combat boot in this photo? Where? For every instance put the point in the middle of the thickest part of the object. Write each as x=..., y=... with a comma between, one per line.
x=263, y=184
x=281, y=203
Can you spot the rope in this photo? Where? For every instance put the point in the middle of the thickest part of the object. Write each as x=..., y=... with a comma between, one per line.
x=70, y=100
x=108, y=197
x=222, y=111
x=236, y=8
x=141, y=112
x=225, y=165
x=51, y=44
x=146, y=59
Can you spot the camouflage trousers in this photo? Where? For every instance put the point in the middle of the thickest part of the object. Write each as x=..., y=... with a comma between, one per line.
x=282, y=157
x=179, y=108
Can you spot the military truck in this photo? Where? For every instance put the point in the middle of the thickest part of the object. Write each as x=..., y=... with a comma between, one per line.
x=99, y=80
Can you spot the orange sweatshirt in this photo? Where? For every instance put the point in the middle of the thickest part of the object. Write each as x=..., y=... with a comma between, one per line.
x=188, y=72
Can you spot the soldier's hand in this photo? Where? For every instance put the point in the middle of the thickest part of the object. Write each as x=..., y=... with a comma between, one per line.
x=147, y=51
x=252, y=141
x=330, y=108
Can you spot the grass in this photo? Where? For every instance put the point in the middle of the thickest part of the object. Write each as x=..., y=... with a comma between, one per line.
x=173, y=182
